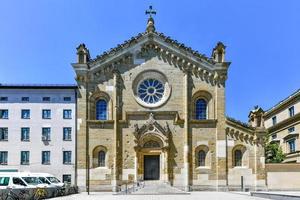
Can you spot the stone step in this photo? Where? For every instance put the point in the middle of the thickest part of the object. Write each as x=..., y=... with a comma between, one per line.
x=157, y=188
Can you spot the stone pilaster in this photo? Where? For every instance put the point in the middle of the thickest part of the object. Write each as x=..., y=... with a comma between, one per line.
x=186, y=148
x=116, y=175
x=221, y=143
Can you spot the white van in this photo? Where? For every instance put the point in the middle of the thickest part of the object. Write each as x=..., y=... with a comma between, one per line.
x=13, y=180
x=48, y=179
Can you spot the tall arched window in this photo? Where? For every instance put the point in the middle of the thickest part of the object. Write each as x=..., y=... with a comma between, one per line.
x=201, y=158
x=101, y=159
x=238, y=155
x=201, y=109
x=101, y=110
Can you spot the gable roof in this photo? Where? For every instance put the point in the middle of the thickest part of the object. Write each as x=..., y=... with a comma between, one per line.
x=212, y=69
x=140, y=36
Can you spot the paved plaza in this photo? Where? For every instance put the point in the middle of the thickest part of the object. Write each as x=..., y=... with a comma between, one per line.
x=191, y=196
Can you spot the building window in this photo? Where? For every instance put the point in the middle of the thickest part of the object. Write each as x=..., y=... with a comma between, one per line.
x=24, y=157
x=67, y=114
x=4, y=114
x=46, y=157
x=274, y=136
x=101, y=159
x=3, y=157
x=25, y=131
x=4, y=134
x=292, y=111
x=201, y=158
x=274, y=120
x=46, y=114
x=292, y=146
x=46, y=132
x=67, y=157
x=291, y=129
x=67, y=98
x=25, y=98
x=201, y=109
x=67, y=133
x=3, y=98
x=25, y=114
x=46, y=98
x=66, y=178
x=101, y=110
x=238, y=158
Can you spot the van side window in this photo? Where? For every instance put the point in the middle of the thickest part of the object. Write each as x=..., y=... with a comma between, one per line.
x=18, y=181
x=44, y=180
x=4, y=181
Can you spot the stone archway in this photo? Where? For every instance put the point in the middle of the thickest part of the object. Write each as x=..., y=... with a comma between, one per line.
x=152, y=144
x=152, y=158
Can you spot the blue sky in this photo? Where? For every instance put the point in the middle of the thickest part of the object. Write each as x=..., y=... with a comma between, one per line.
x=38, y=40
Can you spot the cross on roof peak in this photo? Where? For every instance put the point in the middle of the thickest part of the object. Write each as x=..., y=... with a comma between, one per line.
x=150, y=12
x=150, y=24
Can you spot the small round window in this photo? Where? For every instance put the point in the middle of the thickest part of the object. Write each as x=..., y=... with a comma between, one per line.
x=151, y=91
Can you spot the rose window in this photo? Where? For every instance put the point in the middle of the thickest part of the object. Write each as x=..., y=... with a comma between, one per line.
x=151, y=91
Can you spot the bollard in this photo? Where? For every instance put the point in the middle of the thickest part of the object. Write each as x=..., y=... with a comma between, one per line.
x=242, y=183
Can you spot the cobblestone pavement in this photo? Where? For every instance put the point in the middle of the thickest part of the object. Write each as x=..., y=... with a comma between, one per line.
x=191, y=196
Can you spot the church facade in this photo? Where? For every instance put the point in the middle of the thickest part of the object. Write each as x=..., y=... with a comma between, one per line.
x=154, y=109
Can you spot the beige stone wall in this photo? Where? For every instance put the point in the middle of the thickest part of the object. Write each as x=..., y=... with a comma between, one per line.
x=283, y=176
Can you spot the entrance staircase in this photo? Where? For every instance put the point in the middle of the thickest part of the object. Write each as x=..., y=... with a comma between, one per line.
x=157, y=188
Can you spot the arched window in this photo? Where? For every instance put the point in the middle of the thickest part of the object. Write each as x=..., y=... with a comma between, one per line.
x=201, y=158
x=238, y=158
x=200, y=109
x=101, y=159
x=101, y=110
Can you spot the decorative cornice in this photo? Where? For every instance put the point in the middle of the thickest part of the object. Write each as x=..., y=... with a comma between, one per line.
x=199, y=64
x=282, y=104
x=100, y=121
x=232, y=121
x=174, y=114
x=290, y=136
x=245, y=133
x=137, y=38
x=211, y=122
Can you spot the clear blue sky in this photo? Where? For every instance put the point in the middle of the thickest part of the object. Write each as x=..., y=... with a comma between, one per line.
x=38, y=40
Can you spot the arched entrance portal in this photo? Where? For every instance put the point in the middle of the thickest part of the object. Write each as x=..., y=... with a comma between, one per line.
x=152, y=158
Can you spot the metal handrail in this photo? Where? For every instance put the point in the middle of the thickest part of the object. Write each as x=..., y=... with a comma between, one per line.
x=130, y=187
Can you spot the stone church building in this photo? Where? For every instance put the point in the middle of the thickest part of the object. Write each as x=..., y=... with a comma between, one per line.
x=153, y=109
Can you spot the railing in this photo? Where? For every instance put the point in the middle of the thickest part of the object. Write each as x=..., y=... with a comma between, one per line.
x=130, y=187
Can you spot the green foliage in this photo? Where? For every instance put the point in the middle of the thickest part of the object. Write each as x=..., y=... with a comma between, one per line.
x=274, y=153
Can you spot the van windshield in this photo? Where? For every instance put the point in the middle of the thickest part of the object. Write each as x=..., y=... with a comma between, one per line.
x=32, y=180
x=4, y=181
x=53, y=179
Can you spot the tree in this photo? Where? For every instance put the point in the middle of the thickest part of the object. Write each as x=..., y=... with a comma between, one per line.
x=274, y=153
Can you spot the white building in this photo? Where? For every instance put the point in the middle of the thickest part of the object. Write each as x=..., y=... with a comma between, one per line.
x=283, y=124
x=38, y=129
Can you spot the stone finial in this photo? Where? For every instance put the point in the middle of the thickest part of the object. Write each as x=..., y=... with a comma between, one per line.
x=83, y=54
x=218, y=53
x=256, y=117
x=150, y=23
